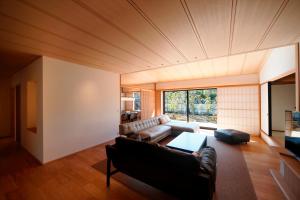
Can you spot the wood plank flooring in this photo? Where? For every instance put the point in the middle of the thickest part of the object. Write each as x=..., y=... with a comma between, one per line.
x=73, y=177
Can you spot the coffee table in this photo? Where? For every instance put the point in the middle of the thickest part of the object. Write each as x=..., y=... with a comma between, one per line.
x=188, y=142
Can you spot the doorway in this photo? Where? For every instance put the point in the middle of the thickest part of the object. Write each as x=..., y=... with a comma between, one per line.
x=17, y=114
x=283, y=98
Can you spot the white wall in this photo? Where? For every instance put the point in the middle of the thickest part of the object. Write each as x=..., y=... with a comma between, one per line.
x=283, y=98
x=210, y=82
x=81, y=107
x=281, y=62
x=33, y=142
x=5, y=115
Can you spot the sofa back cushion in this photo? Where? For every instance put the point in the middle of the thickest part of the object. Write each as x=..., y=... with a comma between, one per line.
x=163, y=119
x=159, y=156
x=134, y=127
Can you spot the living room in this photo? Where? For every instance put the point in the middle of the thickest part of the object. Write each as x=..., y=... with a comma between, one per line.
x=149, y=99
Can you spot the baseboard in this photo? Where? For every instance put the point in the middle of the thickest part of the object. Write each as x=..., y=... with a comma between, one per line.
x=278, y=130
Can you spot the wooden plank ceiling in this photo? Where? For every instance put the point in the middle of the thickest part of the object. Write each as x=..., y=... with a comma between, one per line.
x=241, y=64
x=127, y=36
x=13, y=61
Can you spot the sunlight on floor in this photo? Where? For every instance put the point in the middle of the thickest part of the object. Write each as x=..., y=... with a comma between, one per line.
x=206, y=132
x=252, y=141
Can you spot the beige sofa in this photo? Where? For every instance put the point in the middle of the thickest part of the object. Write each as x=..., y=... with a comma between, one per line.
x=156, y=128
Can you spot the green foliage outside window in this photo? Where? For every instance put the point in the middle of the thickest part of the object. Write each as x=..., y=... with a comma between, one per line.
x=201, y=105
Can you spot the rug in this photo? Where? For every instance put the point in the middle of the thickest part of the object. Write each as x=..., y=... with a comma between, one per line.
x=233, y=179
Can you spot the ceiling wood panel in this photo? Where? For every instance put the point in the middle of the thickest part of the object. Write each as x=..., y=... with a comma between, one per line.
x=286, y=29
x=195, y=70
x=11, y=27
x=252, y=20
x=43, y=47
x=138, y=35
x=39, y=19
x=212, y=19
x=206, y=68
x=89, y=23
x=12, y=61
x=123, y=15
x=220, y=66
x=174, y=25
x=254, y=61
x=235, y=64
x=240, y=64
x=67, y=57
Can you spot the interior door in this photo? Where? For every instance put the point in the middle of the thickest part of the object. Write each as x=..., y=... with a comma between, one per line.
x=265, y=98
x=18, y=114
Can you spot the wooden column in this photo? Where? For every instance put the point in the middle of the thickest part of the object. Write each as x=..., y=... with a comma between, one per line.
x=158, y=110
x=297, y=78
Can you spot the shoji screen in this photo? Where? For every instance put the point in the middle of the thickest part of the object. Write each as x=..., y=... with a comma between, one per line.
x=238, y=108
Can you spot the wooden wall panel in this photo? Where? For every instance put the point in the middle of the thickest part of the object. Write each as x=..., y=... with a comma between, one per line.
x=158, y=102
x=147, y=104
x=297, y=78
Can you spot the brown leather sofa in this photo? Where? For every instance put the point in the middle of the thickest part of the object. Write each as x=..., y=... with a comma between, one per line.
x=182, y=174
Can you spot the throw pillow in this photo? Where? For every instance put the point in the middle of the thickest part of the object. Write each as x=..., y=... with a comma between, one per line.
x=164, y=119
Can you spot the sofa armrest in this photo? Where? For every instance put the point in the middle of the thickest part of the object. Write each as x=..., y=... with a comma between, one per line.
x=129, y=134
x=207, y=158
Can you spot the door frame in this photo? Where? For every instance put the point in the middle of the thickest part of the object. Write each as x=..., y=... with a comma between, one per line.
x=269, y=108
x=17, y=111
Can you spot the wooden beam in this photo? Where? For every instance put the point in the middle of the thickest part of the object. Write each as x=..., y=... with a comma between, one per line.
x=297, y=77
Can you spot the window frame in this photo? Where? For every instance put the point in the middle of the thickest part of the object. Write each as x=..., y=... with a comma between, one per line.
x=187, y=98
x=134, y=108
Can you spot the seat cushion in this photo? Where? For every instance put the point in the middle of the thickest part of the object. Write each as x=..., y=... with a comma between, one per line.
x=232, y=136
x=155, y=131
x=181, y=126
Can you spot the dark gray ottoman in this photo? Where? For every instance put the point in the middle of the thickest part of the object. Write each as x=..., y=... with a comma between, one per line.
x=232, y=136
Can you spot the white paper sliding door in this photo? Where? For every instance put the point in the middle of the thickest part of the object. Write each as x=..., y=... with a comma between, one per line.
x=264, y=98
x=238, y=108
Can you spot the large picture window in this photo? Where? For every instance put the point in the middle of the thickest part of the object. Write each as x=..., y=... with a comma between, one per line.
x=191, y=105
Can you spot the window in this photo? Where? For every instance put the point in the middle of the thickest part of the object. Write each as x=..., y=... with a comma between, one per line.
x=137, y=101
x=203, y=105
x=175, y=104
x=191, y=105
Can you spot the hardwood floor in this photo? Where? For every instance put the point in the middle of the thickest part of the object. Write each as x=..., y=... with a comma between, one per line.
x=73, y=177
x=260, y=159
